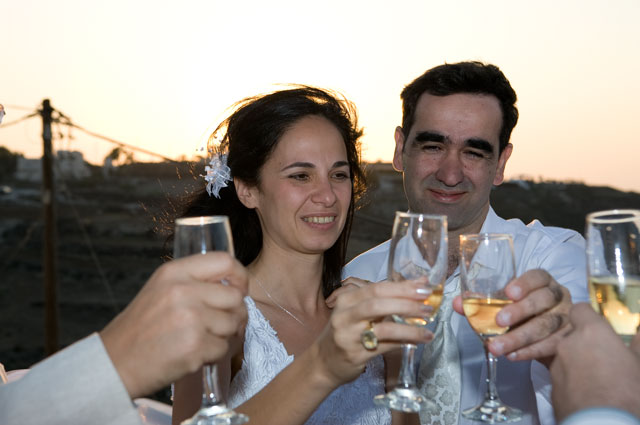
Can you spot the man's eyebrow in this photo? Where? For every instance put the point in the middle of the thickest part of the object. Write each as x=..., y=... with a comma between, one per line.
x=480, y=144
x=429, y=136
x=336, y=164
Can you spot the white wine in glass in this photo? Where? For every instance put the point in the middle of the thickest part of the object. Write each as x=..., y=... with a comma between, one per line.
x=199, y=235
x=613, y=264
x=487, y=265
x=481, y=313
x=418, y=249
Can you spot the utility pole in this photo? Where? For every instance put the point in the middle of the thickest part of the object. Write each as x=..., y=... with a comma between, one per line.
x=49, y=261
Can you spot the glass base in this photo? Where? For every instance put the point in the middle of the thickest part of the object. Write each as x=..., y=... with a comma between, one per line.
x=402, y=399
x=216, y=415
x=492, y=412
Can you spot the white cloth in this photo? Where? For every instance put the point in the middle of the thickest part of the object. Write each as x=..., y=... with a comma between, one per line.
x=600, y=416
x=525, y=385
x=78, y=385
x=265, y=356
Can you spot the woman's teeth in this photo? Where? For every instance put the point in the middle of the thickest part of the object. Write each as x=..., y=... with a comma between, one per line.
x=319, y=220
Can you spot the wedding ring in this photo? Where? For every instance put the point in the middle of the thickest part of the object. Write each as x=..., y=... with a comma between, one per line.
x=368, y=338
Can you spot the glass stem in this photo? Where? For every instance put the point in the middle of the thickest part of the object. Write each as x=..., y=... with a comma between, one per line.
x=407, y=376
x=492, y=365
x=210, y=385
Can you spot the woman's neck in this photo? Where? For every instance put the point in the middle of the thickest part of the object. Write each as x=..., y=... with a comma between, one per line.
x=294, y=279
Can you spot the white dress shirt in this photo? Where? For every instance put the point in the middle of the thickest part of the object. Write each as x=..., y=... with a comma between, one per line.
x=524, y=384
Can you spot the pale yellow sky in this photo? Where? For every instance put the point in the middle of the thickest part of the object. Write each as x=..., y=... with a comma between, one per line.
x=158, y=74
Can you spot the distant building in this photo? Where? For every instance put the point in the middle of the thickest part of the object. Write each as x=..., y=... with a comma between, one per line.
x=67, y=164
x=383, y=176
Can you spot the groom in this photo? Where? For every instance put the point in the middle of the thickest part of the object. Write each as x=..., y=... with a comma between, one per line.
x=452, y=148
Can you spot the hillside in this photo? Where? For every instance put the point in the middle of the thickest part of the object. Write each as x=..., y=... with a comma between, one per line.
x=108, y=243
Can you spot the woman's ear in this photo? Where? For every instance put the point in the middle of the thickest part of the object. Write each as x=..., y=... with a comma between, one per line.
x=248, y=195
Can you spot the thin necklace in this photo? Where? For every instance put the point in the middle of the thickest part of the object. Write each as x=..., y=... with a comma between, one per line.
x=277, y=303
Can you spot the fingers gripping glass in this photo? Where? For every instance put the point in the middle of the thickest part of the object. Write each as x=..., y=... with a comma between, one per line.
x=418, y=249
x=613, y=264
x=199, y=235
x=487, y=265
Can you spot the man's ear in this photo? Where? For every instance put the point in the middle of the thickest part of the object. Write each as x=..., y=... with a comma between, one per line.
x=248, y=195
x=397, y=154
x=502, y=162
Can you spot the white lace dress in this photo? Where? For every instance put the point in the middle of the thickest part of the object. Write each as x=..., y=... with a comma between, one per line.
x=265, y=357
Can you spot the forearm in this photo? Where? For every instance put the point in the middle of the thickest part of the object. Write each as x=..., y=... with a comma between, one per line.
x=75, y=385
x=297, y=392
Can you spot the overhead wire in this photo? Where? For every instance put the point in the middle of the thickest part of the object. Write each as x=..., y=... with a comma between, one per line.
x=66, y=121
x=7, y=124
x=23, y=108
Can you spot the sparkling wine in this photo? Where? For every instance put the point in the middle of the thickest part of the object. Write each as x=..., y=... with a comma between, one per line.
x=618, y=302
x=481, y=313
x=432, y=300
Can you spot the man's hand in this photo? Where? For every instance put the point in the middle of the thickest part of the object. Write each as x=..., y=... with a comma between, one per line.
x=349, y=284
x=538, y=317
x=594, y=368
x=183, y=317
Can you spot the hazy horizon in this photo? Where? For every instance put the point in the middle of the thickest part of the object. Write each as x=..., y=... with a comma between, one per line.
x=159, y=75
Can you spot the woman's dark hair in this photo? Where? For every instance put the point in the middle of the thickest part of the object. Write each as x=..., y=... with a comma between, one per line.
x=250, y=135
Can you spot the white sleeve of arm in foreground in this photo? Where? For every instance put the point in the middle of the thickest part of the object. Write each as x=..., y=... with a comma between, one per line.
x=78, y=385
x=600, y=416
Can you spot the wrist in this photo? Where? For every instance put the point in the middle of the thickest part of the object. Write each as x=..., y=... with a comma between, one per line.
x=112, y=349
x=320, y=371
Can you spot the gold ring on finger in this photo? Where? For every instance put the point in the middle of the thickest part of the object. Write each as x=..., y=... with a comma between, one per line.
x=368, y=338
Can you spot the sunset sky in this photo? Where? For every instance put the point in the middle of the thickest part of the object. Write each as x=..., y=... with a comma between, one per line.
x=159, y=74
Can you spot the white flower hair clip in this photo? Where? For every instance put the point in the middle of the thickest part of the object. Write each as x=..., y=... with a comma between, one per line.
x=218, y=174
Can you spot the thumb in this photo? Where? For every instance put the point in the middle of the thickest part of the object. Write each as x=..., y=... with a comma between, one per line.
x=215, y=266
x=457, y=305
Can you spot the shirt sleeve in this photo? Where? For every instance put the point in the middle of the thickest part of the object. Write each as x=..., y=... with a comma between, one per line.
x=77, y=385
x=601, y=415
x=565, y=259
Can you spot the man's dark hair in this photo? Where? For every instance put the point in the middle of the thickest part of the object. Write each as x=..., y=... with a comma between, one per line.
x=462, y=77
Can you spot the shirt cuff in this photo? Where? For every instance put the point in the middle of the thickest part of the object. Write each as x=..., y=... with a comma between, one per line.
x=601, y=415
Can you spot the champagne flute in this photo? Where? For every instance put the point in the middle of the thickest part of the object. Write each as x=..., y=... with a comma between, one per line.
x=418, y=248
x=199, y=235
x=487, y=265
x=613, y=263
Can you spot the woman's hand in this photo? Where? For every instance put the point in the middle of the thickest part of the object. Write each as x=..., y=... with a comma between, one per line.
x=359, y=305
x=349, y=284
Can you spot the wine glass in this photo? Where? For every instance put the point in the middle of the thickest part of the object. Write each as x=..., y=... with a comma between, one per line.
x=613, y=264
x=487, y=265
x=199, y=235
x=418, y=248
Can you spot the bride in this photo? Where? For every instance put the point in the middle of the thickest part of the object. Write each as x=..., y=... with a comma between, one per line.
x=289, y=190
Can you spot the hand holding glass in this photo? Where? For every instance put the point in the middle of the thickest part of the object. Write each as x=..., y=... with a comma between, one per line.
x=613, y=264
x=418, y=249
x=199, y=235
x=487, y=265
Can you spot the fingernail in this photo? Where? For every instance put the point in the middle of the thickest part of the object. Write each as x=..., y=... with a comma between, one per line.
x=512, y=356
x=498, y=347
x=428, y=335
x=426, y=308
x=503, y=318
x=423, y=291
x=515, y=291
